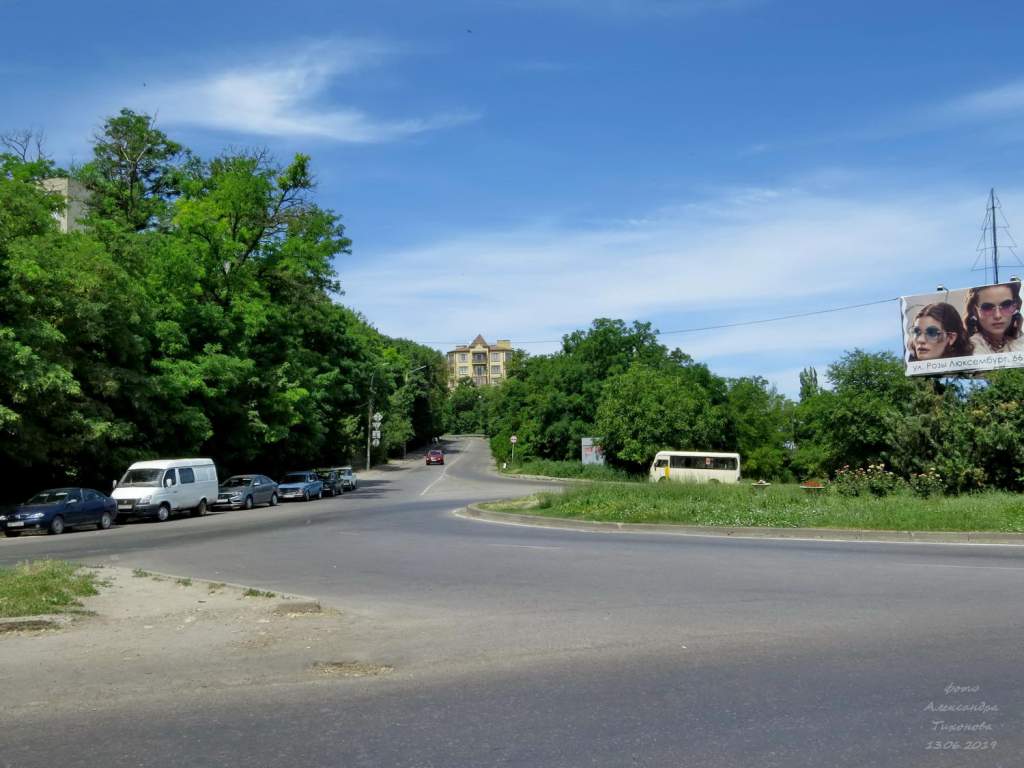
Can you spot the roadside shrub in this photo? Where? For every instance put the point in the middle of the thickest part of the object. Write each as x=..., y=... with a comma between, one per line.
x=875, y=480
x=927, y=484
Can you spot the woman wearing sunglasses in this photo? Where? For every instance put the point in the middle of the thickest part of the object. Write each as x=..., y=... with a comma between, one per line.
x=993, y=318
x=938, y=332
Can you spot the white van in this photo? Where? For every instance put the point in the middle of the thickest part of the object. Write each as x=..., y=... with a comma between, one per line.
x=695, y=467
x=162, y=487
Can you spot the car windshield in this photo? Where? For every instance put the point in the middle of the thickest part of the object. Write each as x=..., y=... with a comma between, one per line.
x=295, y=477
x=49, y=497
x=236, y=482
x=145, y=477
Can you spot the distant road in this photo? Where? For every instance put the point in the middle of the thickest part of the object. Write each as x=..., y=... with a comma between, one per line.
x=519, y=646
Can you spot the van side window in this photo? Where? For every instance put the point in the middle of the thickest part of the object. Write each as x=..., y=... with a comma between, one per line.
x=677, y=462
x=169, y=478
x=187, y=475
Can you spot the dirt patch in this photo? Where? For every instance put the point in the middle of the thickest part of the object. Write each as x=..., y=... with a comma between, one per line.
x=144, y=636
x=350, y=669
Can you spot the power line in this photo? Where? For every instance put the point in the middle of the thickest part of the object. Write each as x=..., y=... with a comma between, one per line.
x=707, y=327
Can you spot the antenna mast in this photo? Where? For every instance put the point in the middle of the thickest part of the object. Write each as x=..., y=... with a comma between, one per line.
x=995, y=243
x=995, y=221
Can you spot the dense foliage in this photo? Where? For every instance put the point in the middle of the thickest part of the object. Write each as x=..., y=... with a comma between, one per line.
x=617, y=383
x=194, y=313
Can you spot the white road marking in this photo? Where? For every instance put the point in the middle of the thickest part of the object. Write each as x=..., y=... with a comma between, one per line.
x=441, y=476
x=523, y=546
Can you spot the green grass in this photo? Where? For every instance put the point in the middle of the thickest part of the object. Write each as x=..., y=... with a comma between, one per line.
x=780, y=506
x=186, y=582
x=572, y=469
x=43, y=586
x=258, y=593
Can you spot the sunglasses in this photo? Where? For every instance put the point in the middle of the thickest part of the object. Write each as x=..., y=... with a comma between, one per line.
x=932, y=332
x=988, y=307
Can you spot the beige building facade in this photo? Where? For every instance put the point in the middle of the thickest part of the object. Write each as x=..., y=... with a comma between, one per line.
x=480, y=362
x=75, y=196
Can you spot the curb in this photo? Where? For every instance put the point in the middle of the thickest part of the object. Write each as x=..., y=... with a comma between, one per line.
x=474, y=512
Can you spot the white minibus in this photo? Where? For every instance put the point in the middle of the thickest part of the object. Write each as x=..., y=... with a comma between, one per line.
x=695, y=467
x=162, y=487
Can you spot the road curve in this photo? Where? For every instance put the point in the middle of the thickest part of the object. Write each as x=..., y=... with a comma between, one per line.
x=537, y=647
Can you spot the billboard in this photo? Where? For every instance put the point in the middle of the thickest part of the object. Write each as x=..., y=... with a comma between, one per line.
x=969, y=329
x=591, y=452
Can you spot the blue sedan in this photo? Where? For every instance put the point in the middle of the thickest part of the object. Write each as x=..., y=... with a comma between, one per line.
x=301, y=485
x=57, y=509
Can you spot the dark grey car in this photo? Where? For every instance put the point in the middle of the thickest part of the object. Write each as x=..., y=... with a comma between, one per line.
x=245, y=492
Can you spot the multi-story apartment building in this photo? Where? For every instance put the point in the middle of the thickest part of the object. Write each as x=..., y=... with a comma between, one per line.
x=480, y=362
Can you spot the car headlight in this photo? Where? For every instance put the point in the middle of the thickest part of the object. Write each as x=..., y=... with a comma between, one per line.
x=145, y=500
x=3, y=518
x=35, y=516
x=236, y=497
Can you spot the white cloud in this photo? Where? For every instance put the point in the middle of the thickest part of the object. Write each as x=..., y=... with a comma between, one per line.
x=287, y=97
x=1003, y=99
x=748, y=254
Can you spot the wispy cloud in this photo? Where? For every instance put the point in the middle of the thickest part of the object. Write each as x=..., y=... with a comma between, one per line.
x=1000, y=100
x=288, y=97
x=744, y=255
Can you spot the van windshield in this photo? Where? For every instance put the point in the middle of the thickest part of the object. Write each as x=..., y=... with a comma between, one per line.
x=143, y=477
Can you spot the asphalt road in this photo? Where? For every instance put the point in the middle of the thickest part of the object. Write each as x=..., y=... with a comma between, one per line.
x=516, y=646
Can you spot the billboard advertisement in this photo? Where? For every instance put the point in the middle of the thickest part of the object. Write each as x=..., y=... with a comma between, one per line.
x=970, y=329
x=591, y=452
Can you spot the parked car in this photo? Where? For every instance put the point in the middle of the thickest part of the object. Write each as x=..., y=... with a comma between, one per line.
x=435, y=456
x=349, y=481
x=301, y=485
x=245, y=492
x=331, y=479
x=57, y=509
x=163, y=487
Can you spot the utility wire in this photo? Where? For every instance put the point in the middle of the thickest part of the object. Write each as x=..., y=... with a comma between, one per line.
x=709, y=327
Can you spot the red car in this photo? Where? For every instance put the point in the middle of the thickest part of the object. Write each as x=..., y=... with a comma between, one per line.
x=435, y=456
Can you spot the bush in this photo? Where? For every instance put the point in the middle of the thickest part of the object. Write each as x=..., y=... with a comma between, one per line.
x=875, y=480
x=927, y=484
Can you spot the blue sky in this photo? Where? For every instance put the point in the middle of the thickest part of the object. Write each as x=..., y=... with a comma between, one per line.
x=517, y=168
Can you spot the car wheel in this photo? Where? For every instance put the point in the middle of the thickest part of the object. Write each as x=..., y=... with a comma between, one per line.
x=273, y=499
x=56, y=526
x=248, y=502
x=320, y=494
x=104, y=522
x=162, y=513
x=12, y=534
x=305, y=495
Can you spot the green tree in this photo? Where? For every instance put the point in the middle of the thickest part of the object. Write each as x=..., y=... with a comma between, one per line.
x=647, y=409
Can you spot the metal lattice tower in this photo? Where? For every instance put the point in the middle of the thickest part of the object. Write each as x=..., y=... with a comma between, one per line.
x=995, y=242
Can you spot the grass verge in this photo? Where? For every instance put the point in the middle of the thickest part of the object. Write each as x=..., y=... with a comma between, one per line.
x=779, y=506
x=572, y=469
x=43, y=586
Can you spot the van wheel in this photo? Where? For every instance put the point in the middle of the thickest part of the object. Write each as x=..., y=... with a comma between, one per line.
x=56, y=526
x=104, y=522
x=200, y=511
x=273, y=500
x=662, y=479
x=162, y=513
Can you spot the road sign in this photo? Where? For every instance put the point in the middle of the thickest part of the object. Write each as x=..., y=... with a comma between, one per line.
x=375, y=434
x=513, y=439
x=375, y=443
x=378, y=417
